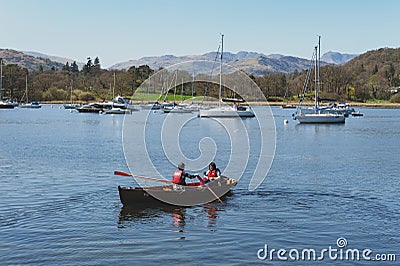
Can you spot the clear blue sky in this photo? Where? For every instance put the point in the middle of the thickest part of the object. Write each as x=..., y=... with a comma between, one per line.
x=118, y=30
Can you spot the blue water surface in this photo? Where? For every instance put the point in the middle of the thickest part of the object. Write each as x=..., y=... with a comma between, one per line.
x=59, y=202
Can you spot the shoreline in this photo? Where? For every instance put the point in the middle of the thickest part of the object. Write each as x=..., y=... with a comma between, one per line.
x=352, y=104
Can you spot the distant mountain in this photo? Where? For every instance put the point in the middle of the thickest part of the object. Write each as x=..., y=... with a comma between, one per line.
x=58, y=59
x=250, y=62
x=263, y=64
x=337, y=58
x=28, y=61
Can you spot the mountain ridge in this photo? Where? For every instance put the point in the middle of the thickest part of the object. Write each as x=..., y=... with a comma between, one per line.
x=251, y=62
x=337, y=58
x=28, y=61
x=54, y=58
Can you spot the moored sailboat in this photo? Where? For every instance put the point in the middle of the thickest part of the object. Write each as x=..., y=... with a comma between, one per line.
x=71, y=105
x=27, y=104
x=225, y=111
x=6, y=104
x=316, y=115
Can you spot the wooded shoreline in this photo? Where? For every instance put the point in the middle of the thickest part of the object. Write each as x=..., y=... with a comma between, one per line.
x=353, y=104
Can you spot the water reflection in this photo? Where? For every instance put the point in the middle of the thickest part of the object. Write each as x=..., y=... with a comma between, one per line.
x=147, y=215
x=212, y=214
x=178, y=218
x=173, y=215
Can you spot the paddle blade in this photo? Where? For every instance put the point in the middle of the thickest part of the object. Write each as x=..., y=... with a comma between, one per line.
x=121, y=173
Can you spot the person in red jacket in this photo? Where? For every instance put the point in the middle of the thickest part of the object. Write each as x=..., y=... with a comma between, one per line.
x=179, y=176
x=212, y=173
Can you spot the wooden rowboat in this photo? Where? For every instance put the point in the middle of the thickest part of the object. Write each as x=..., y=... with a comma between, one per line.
x=177, y=195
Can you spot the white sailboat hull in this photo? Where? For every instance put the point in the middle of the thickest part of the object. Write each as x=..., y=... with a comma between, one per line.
x=321, y=118
x=117, y=111
x=31, y=105
x=225, y=112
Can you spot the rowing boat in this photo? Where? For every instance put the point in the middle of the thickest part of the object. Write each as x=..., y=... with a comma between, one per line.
x=177, y=195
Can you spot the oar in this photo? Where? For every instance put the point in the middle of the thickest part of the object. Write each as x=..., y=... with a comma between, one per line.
x=140, y=176
x=215, y=195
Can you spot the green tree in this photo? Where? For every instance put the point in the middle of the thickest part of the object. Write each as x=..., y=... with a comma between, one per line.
x=74, y=67
x=97, y=62
x=66, y=67
x=375, y=70
x=87, y=69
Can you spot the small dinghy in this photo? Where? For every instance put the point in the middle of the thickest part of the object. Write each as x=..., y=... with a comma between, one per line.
x=173, y=194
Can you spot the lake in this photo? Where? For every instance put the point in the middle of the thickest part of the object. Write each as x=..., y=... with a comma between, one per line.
x=59, y=202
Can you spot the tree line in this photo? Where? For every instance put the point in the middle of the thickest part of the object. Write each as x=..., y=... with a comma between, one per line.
x=372, y=76
x=368, y=77
x=88, y=84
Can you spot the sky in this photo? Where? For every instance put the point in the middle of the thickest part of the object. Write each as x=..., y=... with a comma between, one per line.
x=118, y=30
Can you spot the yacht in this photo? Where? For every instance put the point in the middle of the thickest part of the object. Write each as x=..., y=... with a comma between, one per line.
x=317, y=114
x=225, y=110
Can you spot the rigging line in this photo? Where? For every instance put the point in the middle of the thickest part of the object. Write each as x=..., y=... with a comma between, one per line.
x=211, y=74
x=174, y=76
x=307, y=78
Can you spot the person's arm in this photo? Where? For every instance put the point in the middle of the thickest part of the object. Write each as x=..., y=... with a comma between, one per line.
x=218, y=172
x=187, y=175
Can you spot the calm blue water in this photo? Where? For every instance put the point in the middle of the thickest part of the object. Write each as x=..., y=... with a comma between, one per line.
x=59, y=201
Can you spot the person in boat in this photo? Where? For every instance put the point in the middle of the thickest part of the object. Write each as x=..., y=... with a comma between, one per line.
x=179, y=176
x=212, y=173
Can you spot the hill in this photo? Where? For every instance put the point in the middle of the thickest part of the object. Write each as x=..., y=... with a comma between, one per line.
x=376, y=72
x=58, y=59
x=372, y=76
x=337, y=58
x=250, y=62
x=32, y=63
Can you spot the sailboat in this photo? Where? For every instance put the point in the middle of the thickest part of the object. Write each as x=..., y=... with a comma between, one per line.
x=316, y=115
x=174, y=107
x=71, y=105
x=116, y=107
x=225, y=111
x=27, y=104
x=287, y=105
x=3, y=105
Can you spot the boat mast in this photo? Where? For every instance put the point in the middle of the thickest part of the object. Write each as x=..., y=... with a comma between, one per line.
x=182, y=91
x=176, y=77
x=220, y=72
x=112, y=90
x=316, y=78
x=1, y=76
x=71, y=90
x=319, y=66
x=192, y=86
x=26, y=88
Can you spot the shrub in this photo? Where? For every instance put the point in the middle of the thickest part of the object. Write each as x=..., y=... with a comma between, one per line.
x=54, y=94
x=86, y=96
x=395, y=98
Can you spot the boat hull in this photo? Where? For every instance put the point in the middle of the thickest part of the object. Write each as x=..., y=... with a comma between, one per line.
x=31, y=106
x=71, y=106
x=288, y=106
x=119, y=111
x=321, y=119
x=6, y=106
x=175, y=195
x=91, y=108
x=225, y=112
